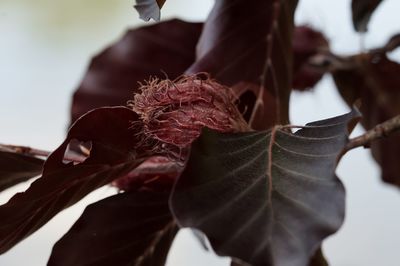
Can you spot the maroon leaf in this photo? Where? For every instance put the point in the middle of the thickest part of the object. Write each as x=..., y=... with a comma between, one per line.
x=374, y=79
x=132, y=228
x=307, y=42
x=266, y=198
x=149, y=9
x=114, y=75
x=318, y=259
x=155, y=174
x=17, y=167
x=362, y=11
x=113, y=154
x=248, y=47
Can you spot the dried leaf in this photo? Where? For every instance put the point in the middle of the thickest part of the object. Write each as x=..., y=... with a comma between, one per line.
x=149, y=9
x=114, y=75
x=132, y=228
x=17, y=167
x=113, y=155
x=266, y=198
x=248, y=47
x=362, y=11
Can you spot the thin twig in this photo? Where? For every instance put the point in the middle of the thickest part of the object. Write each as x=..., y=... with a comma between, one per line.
x=379, y=131
x=40, y=153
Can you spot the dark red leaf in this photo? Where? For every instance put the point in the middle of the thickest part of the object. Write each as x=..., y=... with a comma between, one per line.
x=248, y=46
x=113, y=154
x=318, y=259
x=374, y=79
x=114, y=75
x=362, y=11
x=155, y=174
x=132, y=228
x=149, y=9
x=17, y=167
x=307, y=42
x=266, y=198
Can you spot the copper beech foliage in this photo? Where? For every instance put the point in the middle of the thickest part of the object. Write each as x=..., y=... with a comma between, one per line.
x=373, y=78
x=190, y=122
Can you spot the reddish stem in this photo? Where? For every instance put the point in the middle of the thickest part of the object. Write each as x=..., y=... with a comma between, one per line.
x=40, y=153
x=379, y=131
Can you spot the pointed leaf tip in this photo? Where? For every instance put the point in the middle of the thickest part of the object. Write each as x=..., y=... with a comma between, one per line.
x=362, y=11
x=267, y=197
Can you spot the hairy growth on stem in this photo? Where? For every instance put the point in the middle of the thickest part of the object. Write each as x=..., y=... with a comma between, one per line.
x=174, y=112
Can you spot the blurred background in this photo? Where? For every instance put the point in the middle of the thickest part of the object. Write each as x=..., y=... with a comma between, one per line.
x=45, y=48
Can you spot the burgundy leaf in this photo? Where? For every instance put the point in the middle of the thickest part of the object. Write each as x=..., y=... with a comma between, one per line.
x=362, y=11
x=318, y=259
x=155, y=174
x=307, y=42
x=17, y=167
x=114, y=153
x=248, y=46
x=374, y=79
x=132, y=228
x=149, y=9
x=114, y=75
x=266, y=198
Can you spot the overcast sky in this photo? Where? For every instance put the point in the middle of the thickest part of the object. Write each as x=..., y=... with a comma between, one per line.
x=44, y=52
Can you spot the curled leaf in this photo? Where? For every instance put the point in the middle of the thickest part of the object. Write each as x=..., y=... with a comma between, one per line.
x=114, y=153
x=149, y=9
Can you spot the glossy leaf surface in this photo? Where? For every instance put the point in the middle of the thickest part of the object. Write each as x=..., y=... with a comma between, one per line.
x=266, y=198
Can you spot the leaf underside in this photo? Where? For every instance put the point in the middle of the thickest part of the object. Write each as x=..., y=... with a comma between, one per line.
x=260, y=208
x=131, y=228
